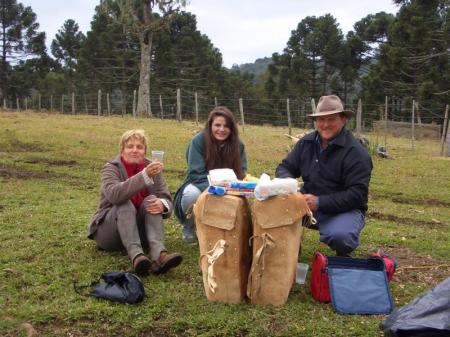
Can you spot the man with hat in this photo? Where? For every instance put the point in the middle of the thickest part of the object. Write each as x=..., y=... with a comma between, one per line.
x=335, y=169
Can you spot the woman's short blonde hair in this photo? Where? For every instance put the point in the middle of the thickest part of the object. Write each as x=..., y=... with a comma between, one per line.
x=137, y=134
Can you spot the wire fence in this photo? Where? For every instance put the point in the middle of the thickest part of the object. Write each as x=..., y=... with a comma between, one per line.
x=394, y=115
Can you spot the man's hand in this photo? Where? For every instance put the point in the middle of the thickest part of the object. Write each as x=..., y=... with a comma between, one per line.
x=311, y=200
x=155, y=206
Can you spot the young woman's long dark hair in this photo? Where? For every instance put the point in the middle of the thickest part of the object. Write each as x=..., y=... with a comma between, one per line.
x=227, y=154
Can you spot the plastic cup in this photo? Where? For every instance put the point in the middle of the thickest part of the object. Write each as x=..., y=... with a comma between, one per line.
x=157, y=155
x=302, y=270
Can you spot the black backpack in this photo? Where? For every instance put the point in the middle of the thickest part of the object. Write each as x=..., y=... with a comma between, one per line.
x=116, y=286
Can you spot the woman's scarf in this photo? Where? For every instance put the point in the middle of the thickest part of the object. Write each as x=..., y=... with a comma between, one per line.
x=133, y=169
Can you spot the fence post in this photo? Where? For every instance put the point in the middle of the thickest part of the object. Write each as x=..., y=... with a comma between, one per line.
x=419, y=118
x=385, y=121
x=161, y=107
x=313, y=108
x=39, y=102
x=62, y=103
x=179, y=105
x=241, y=110
x=359, y=118
x=73, y=103
x=215, y=101
x=288, y=116
x=196, y=108
x=444, y=130
x=17, y=104
x=85, y=105
x=26, y=103
x=448, y=141
x=4, y=103
x=99, y=102
x=303, y=114
x=134, y=103
x=108, y=104
x=313, y=105
x=413, y=124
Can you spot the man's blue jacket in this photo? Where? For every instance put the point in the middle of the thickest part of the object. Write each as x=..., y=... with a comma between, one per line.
x=339, y=175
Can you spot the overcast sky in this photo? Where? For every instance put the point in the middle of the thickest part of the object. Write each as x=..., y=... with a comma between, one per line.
x=243, y=30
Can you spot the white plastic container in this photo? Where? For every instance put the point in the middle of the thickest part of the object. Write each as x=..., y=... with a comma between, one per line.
x=158, y=155
x=302, y=270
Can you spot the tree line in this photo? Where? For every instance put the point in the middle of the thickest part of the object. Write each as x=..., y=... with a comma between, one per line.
x=155, y=48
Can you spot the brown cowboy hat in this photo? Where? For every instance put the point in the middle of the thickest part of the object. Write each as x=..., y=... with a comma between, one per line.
x=329, y=105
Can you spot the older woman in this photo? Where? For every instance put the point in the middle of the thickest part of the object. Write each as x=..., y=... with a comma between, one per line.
x=134, y=198
x=217, y=146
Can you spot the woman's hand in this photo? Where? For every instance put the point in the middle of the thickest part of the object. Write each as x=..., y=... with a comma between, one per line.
x=155, y=206
x=154, y=168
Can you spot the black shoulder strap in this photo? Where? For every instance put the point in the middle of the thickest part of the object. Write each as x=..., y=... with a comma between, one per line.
x=78, y=289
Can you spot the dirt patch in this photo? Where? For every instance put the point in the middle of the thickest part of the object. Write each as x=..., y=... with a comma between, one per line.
x=51, y=162
x=161, y=332
x=18, y=146
x=427, y=202
x=415, y=268
x=401, y=220
x=8, y=172
x=399, y=199
x=13, y=144
x=81, y=328
x=275, y=326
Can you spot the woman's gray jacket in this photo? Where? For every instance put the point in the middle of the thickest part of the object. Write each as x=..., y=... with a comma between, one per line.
x=117, y=188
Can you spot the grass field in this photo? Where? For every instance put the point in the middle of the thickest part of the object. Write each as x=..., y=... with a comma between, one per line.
x=49, y=182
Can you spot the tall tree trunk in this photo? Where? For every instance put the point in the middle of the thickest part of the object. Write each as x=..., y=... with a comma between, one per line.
x=145, y=41
x=3, y=83
x=144, y=74
x=345, y=92
x=325, y=69
x=314, y=74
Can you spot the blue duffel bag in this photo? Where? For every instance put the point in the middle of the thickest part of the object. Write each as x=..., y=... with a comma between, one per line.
x=359, y=286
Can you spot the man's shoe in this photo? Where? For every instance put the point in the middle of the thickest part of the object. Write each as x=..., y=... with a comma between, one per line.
x=166, y=262
x=141, y=265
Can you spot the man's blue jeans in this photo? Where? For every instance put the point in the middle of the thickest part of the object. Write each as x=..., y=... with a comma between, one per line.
x=340, y=231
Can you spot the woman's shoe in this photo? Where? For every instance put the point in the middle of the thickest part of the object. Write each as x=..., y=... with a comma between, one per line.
x=166, y=262
x=141, y=265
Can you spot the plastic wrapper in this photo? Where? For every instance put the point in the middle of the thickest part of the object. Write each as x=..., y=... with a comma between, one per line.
x=267, y=187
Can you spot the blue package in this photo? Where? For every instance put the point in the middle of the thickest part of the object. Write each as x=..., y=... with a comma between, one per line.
x=217, y=190
x=243, y=184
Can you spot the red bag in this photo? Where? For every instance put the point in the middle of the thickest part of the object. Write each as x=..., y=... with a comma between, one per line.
x=389, y=262
x=320, y=289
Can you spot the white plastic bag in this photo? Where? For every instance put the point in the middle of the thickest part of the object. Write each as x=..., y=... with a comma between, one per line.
x=267, y=188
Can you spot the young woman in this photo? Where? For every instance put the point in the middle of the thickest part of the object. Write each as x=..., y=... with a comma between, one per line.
x=217, y=146
x=134, y=199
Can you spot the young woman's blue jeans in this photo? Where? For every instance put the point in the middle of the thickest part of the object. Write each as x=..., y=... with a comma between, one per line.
x=188, y=198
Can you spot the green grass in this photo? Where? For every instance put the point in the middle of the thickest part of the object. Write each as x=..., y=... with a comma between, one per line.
x=49, y=181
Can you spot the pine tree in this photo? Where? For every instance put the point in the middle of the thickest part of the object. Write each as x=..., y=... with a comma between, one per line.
x=19, y=38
